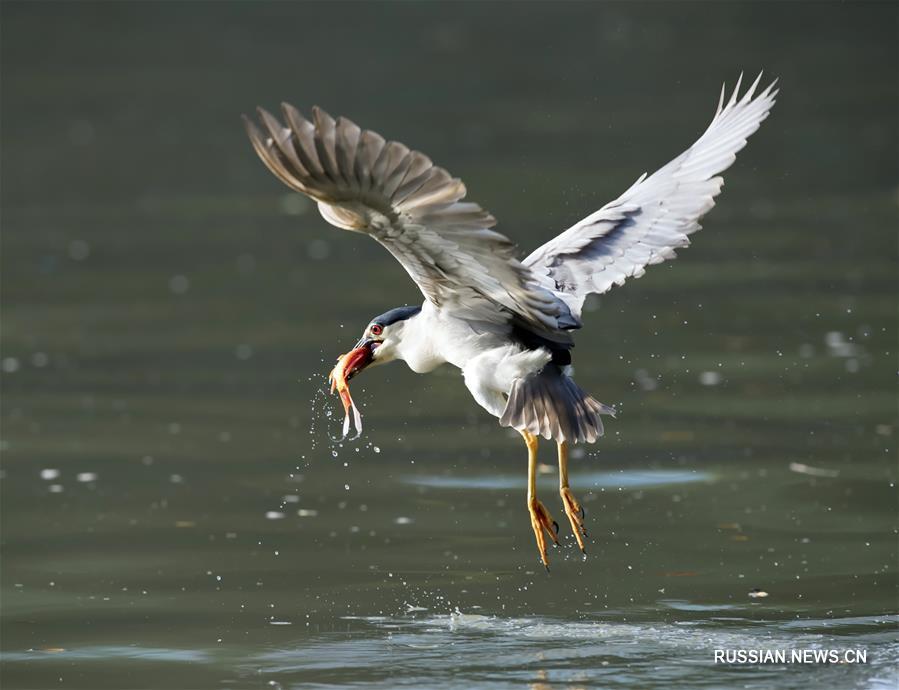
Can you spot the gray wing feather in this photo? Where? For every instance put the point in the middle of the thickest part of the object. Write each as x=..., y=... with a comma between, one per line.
x=656, y=215
x=413, y=208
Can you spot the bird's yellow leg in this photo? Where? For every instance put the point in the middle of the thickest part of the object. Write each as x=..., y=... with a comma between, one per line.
x=573, y=509
x=540, y=517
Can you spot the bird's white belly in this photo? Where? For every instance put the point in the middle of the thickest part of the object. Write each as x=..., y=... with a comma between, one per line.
x=490, y=363
x=489, y=375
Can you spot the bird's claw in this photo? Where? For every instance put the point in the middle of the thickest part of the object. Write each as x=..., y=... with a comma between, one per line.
x=575, y=513
x=541, y=522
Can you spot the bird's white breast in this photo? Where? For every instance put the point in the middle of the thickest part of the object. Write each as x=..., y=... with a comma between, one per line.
x=421, y=338
x=488, y=360
x=434, y=337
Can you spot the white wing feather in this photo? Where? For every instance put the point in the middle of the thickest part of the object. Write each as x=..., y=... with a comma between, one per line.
x=655, y=215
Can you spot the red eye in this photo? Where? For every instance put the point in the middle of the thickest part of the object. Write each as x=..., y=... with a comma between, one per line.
x=376, y=329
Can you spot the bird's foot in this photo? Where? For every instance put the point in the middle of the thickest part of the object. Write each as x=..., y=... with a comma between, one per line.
x=541, y=520
x=575, y=514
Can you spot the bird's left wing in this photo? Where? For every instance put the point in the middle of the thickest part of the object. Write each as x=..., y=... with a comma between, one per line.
x=413, y=208
x=655, y=215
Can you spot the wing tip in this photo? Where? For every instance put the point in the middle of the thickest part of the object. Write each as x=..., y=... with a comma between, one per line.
x=322, y=120
x=287, y=107
x=749, y=95
x=256, y=135
x=733, y=96
x=248, y=123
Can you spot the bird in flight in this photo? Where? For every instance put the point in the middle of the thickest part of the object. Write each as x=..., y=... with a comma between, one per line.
x=507, y=323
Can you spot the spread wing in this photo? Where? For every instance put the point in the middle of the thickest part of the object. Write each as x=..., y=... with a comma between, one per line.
x=655, y=216
x=413, y=208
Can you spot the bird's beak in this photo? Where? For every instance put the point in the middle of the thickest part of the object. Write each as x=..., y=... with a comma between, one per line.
x=359, y=357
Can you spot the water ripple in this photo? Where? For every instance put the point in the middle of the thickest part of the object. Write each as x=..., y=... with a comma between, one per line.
x=630, y=479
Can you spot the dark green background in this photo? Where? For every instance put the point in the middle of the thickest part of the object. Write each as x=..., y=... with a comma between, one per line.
x=125, y=170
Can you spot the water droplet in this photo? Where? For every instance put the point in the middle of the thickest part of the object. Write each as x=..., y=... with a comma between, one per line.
x=79, y=250
x=179, y=284
x=319, y=250
x=709, y=378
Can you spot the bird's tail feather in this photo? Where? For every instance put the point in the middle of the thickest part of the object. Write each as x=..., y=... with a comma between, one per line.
x=550, y=404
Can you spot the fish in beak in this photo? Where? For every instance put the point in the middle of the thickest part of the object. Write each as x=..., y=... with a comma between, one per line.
x=348, y=365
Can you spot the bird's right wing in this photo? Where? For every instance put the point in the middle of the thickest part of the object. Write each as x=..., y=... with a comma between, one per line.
x=416, y=210
x=655, y=216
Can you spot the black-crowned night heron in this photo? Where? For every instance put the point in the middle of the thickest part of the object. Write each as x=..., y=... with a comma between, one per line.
x=506, y=323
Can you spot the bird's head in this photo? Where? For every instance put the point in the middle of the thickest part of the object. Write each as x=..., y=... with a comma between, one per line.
x=381, y=339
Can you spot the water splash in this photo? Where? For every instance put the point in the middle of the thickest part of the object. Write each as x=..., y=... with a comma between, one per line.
x=324, y=409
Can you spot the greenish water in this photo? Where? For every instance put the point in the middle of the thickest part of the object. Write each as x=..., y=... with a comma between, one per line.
x=174, y=511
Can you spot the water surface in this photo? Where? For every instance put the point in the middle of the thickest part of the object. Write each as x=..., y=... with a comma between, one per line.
x=175, y=512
